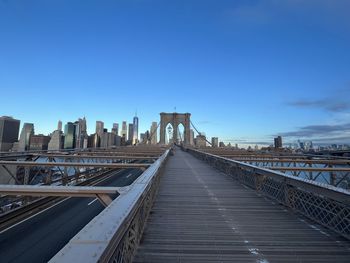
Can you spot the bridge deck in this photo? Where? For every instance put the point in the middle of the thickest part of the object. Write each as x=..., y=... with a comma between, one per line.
x=202, y=215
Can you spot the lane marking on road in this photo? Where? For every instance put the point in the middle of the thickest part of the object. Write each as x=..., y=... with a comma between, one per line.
x=128, y=175
x=38, y=213
x=20, y=222
x=92, y=201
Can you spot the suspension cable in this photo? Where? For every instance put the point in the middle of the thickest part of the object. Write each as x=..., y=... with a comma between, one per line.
x=151, y=134
x=178, y=131
x=200, y=133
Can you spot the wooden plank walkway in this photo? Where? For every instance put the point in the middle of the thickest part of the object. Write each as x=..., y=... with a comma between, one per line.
x=202, y=215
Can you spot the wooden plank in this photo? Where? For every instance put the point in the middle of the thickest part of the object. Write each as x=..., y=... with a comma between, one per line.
x=202, y=215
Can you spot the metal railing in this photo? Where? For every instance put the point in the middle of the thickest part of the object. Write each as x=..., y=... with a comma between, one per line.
x=322, y=203
x=114, y=235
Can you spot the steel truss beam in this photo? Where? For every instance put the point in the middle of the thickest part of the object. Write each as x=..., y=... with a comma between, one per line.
x=81, y=156
x=74, y=164
x=102, y=193
x=114, y=234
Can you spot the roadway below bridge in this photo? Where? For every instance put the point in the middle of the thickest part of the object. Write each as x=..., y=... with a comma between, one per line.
x=39, y=237
x=203, y=215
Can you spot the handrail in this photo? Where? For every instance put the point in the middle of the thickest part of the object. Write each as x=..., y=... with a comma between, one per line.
x=114, y=234
x=323, y=203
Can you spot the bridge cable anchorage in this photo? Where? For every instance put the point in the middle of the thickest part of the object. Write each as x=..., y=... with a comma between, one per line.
x=199, y=133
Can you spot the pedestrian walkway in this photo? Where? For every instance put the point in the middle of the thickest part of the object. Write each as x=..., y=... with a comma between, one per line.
x=203, y=215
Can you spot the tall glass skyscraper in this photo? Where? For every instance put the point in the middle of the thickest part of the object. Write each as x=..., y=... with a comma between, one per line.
x=69, y=136
x=135, y=135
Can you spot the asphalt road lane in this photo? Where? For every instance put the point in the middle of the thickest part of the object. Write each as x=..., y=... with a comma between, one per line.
x=39, y=238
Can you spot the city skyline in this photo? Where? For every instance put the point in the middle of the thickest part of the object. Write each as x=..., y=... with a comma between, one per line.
x=100, y=129
x=247, y=72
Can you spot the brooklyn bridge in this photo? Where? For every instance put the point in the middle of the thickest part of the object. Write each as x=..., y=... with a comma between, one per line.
x=175, y=203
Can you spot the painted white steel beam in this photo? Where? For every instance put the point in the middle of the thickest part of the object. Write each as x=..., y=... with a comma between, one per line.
x=100, y=192
x=75, y=164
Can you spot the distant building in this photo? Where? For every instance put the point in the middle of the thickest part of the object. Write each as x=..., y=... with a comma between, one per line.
x=104, y=140
x=118, y=140
x=221, y=144
x=144, y=136
x=147, y=137
x=135, y=136
x=81, y=136
x=115, y=128
x=39, y=142
x=214, y=142
x=191, y=137
x=111, y=139
x=278, y=142
x=124, y=130
x=201, y=141
x=122, y=141
x=154, y=132
x=94, y=141
x=9, y=129
x=24, y=139
x=99, y=127
x=108, y=139
x=59, y=125
x=69, y=136
x=56, y=141
x=131, y=132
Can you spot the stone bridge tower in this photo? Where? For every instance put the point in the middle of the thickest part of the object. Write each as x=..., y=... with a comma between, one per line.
x=175, y=119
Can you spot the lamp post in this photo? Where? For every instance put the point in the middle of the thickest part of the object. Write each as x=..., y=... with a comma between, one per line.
x=170, y=129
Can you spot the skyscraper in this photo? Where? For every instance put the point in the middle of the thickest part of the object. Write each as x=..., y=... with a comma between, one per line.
x=130, y=133
x=135, y=136
x=124, y=130
x=77, y=134
x=201, y=141
x=69, y=135
x=115, y=128
x=154, y=132
x=108, y=139
x=99, y=127
x=24, y=138
x=278, y=142
x=59, y=125
x=9, y=129
x=81, y=136
x=214, y=142
x=56, y=141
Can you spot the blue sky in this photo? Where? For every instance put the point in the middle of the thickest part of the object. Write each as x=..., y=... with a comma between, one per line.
x=246, y=70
